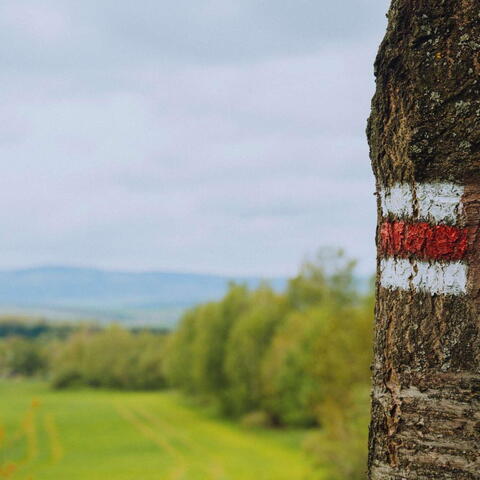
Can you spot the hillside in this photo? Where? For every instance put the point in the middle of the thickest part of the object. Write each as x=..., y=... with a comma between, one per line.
x=130, y=297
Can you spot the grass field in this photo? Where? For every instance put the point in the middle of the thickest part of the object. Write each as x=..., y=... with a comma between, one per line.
x=90, y=435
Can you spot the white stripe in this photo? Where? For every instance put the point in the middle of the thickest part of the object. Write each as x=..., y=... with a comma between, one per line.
x=397, y=200
x=439, y=202
x=434, y=278
x=436, y=202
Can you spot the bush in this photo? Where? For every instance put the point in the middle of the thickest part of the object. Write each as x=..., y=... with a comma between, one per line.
x=257, y=419
x=249, y=339
x=112, y=358
x=340, y=447
x=20, y=356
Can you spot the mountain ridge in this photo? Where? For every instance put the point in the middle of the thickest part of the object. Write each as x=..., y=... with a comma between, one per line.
x=95, y=292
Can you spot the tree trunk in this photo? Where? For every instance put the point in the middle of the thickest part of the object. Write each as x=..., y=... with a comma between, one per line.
x=424, y=135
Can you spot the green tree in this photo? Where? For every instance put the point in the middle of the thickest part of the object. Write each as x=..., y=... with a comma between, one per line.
x=328, y=276
x=179, y=356
x=20, y=356
x=249, y=340
x=289, y=386
x=111, y=358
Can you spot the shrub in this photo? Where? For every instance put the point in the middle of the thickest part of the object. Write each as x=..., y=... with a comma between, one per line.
x=112, y=358
x=20, y=356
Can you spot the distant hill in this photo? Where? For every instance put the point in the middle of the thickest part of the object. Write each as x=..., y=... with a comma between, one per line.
x=68, y=293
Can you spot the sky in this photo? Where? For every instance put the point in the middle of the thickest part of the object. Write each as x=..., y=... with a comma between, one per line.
x=213, y=136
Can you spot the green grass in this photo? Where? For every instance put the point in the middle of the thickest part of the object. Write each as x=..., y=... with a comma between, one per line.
x=90, y=435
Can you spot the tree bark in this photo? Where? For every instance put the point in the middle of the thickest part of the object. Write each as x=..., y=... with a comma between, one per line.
x=424, y=136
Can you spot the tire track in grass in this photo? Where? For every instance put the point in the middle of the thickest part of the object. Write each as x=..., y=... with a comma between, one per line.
x=129, y=415
x=27, y=431
x=215, y=470
x=133, y=419
x=7, y=468
x=221, y=438
x=55, y=444
x=30, y=430
x=211, y=432
x=164, y=426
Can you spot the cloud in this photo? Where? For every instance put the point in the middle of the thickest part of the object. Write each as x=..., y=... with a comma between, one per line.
x=114, y=33
x=223, y=137
x=31, y=23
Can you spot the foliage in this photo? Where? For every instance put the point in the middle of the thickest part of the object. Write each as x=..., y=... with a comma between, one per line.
x=249, y=339
x=298, y=358
x=22, y=357
x=291, y=387
x=340, y=447
x=111, y=358
x=179, y=354
x=27, y=327
x=196, y=351
x=327, y=277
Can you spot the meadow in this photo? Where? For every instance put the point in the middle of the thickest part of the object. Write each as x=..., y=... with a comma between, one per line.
x=282, y=377
x=85, y=434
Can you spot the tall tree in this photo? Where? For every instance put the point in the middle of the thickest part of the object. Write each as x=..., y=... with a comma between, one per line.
x=424, y=135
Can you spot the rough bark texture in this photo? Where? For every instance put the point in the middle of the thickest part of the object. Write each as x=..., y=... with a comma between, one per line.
x=425, y=127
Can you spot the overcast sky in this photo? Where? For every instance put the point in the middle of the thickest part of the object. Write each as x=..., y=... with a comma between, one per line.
x=217, y=136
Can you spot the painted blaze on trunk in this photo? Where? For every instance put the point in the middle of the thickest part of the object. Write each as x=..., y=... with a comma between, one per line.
x=424, y=135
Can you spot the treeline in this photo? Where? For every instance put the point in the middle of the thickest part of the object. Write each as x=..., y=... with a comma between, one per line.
x=298, y=358
x=113, y=358
x=38, y=328
x=90, y=356
x=13, y=325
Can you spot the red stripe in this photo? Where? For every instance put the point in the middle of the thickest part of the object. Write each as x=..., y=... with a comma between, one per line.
x=424, y=241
